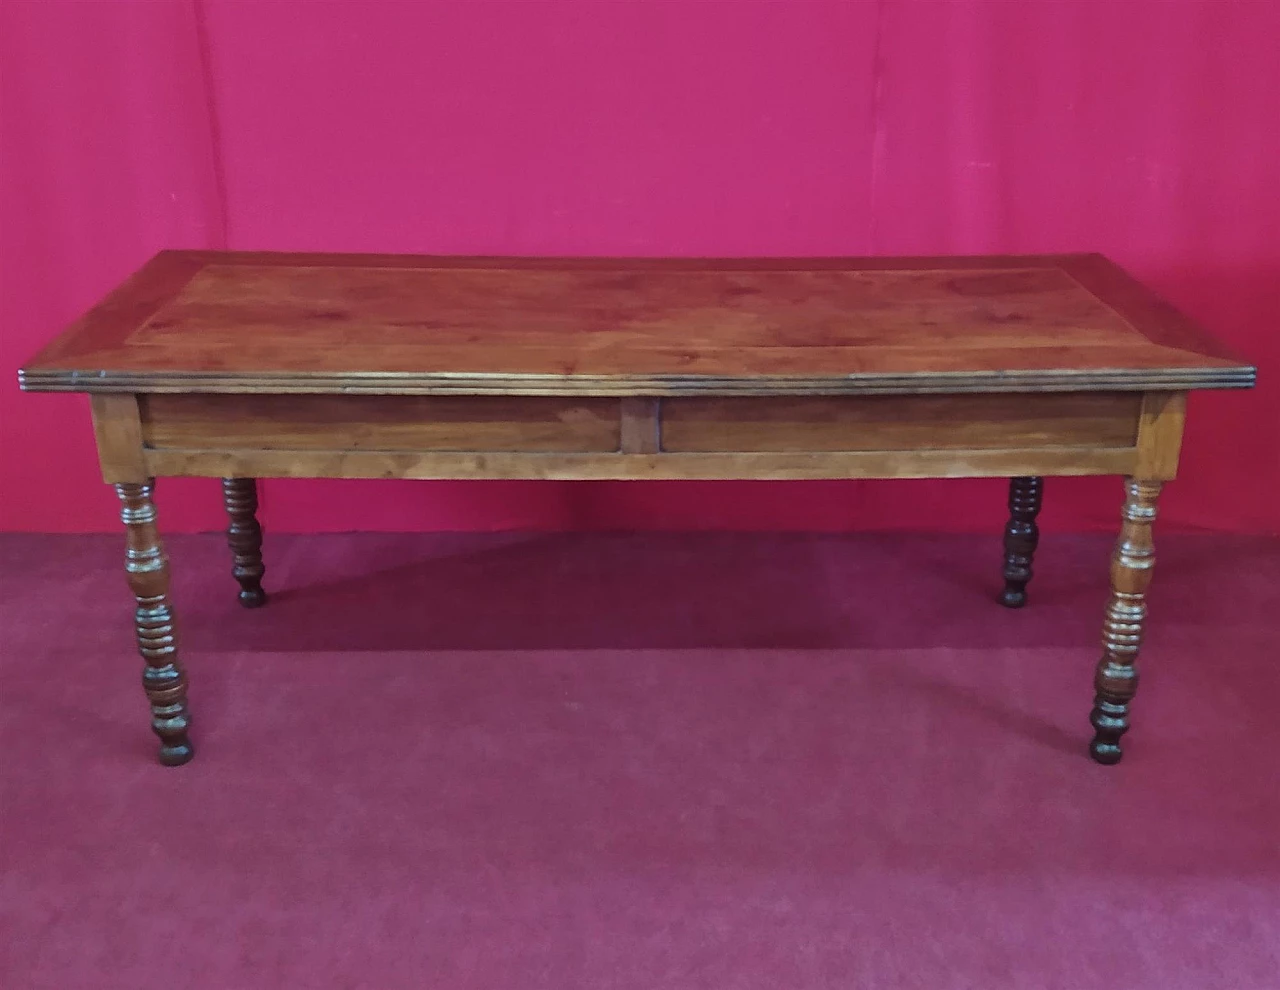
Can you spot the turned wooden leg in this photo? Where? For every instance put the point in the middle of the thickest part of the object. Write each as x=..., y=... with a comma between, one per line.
x=1116, y=680
x=1020, y=538
x=245, y=537
x=148, y=572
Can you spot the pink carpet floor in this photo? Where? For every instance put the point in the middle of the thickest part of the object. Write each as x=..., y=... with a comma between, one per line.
x=640, y=761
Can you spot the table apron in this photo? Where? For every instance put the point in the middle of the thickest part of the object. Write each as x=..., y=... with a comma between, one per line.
x=642, y=437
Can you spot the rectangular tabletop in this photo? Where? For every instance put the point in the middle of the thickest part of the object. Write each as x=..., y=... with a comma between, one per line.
x=193, y=321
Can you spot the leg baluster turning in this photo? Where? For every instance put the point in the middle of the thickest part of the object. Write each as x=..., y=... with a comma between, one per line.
x=148, y=572
x=1116, y=680
x=1020, y=538
x=245, y=537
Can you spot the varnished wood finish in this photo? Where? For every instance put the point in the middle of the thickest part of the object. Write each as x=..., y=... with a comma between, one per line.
x=641, y=425
x=1160, y=435
x=521, y=437
x=244, y=536
x=1116, y=679
x=900, y=422
x=249, y=365
x=459, y=436
x=1153, y=317
x=1021, y=536
x=788, y=466
x=118, y=431
x=232, y=322
x=147, y=569
x=380, y=422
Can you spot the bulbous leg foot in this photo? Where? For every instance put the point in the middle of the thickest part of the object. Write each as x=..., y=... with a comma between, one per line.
x=253, y=597
x=1013, y=598
x=1109, y=722
x=175, y=756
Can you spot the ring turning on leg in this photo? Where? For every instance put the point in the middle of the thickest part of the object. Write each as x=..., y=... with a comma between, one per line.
x=1116, y=679
x=244, y=535
x=147, y=570
x=1020, y=538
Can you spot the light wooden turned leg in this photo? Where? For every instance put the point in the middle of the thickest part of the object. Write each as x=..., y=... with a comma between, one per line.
x=245, y=538
x=1020, y=538
x=1116, y=680
x=147, y=569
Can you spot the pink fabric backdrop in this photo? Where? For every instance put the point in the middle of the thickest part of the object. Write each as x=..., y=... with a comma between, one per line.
x=1146, y=129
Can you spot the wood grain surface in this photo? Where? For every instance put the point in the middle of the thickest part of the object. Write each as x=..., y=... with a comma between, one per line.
x=796, y=465
x=230, y=322
x=380, y=422
x=900, y=422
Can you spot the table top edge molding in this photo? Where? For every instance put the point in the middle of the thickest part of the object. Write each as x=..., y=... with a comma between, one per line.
x=445, y=383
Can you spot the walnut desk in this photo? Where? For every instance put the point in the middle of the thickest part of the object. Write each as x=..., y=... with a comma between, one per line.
x=240, y=366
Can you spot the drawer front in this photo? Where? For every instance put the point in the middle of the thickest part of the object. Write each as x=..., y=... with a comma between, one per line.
x=380, y=422
x=900, y=422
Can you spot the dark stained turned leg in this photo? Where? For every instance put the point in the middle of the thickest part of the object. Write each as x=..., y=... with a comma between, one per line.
x=1116, y=680
x=148, y=572
x=245, y=537
x=1020, y=538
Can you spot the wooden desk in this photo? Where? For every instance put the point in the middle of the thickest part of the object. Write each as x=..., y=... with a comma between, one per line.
x=241, y=366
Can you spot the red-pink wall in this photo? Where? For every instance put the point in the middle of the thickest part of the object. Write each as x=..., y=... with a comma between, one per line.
x=1145, y=129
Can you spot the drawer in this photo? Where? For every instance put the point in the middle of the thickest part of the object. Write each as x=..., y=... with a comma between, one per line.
x=900, y=422
x=380, y=422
